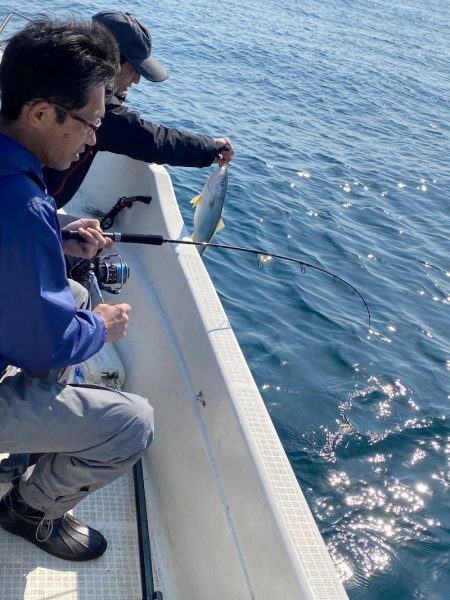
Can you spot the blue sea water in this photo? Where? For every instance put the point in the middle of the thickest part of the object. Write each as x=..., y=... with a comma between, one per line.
x=338, y=112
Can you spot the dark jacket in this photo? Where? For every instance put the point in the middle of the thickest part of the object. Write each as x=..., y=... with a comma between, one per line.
x=41, y=327
x=124, y=132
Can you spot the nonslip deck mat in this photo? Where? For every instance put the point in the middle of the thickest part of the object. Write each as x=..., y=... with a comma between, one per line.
x=27, y=573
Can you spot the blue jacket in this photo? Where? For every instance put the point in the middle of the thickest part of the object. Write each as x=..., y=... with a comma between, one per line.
x=40, y=326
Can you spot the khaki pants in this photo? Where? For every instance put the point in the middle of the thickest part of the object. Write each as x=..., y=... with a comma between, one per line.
x=89, y=435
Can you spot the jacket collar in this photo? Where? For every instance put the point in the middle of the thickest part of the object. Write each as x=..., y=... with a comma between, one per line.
x=15, y=159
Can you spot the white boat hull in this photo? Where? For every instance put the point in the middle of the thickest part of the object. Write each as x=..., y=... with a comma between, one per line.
x=227, y=516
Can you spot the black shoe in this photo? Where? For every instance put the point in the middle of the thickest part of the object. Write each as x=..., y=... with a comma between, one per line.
x=67, y=537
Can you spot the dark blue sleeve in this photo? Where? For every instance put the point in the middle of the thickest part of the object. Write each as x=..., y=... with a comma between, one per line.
x=40, y=325
x=123, y=131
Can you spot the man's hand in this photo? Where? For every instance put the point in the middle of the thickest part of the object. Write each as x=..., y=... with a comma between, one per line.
x=93, y=241
x=115, y=317
x=225, y=151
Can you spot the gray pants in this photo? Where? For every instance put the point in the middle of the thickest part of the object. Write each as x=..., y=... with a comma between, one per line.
x=89, y=435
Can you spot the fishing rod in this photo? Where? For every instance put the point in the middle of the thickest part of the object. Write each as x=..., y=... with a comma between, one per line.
x=159, y=240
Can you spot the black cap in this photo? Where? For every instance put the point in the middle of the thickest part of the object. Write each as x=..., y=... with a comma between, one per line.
x=134, y=41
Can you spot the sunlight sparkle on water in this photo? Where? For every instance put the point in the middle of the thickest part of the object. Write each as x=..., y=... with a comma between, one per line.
x=339, y=478
x=435, y=445
x=407, y=500
x=413, y=404
x=384, y=409
x=343, y=568
x=391, y=390
x=422, y=488
x=377, y=525
x=375, y=333
x=264, y=258
x=377, y=458
x=369, y=498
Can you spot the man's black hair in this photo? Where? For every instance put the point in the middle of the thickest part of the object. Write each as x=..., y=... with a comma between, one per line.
x=57, y=61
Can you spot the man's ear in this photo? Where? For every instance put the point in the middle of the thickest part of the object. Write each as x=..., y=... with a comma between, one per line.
x=39, y=114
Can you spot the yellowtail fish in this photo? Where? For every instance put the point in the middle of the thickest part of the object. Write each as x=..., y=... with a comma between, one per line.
x=208, y=207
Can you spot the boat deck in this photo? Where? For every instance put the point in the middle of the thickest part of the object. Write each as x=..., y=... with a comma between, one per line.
x=28, y=573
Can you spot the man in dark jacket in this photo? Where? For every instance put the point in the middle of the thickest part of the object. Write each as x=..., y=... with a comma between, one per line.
x=123, y=131
x=52, y=82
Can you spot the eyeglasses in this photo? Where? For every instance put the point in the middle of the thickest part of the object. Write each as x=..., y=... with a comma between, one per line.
x=92, y=128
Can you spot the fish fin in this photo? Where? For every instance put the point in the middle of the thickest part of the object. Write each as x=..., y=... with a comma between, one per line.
x=196, y=201
x=193, y=237
x=220, y=225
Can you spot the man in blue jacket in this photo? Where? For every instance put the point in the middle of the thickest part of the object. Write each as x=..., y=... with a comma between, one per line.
x=52, y=83
x=123, y=131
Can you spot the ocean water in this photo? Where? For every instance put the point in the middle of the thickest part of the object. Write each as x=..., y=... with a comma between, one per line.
x=338, y=112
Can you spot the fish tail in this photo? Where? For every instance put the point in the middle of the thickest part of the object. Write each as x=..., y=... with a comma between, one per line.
x=220, y=225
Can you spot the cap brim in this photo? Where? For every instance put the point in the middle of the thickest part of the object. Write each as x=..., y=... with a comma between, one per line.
x=149, y=69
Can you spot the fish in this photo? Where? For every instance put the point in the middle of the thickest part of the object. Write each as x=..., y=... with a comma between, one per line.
x=209, y=206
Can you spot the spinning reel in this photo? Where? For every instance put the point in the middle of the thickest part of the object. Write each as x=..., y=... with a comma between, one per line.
x=109, y=272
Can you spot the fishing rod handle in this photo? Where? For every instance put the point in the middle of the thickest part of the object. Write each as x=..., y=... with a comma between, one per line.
x=130, y=238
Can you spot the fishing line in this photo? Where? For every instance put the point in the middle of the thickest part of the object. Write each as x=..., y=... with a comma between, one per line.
x=159, y=240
